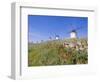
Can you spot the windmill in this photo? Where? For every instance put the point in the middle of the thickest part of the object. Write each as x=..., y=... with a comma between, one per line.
x=73, y=32
x=50, y=38
x=56, y=37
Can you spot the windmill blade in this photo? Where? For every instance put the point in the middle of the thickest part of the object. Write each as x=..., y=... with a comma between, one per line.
x=70, y=31
x=76, y=29
x=79, y=28
x=72, y=28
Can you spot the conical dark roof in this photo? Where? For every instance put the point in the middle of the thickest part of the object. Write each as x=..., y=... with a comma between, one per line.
x=73, y=31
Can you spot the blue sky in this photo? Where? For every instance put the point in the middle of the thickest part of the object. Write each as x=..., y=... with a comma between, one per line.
x=42, y=27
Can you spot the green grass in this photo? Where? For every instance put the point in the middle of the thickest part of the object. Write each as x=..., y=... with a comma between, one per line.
x=54, y=53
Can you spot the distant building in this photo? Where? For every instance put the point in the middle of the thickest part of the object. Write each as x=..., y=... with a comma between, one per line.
x=73, y=34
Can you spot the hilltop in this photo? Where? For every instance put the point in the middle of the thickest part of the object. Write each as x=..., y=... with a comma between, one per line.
x=58, y=52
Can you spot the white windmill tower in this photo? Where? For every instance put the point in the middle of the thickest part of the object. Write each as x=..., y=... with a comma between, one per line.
x=73, y=34
x=57, y=37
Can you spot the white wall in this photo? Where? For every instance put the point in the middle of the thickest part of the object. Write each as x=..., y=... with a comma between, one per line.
x=5, y=36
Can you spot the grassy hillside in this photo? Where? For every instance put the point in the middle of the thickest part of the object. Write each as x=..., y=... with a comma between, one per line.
x=54, y=53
